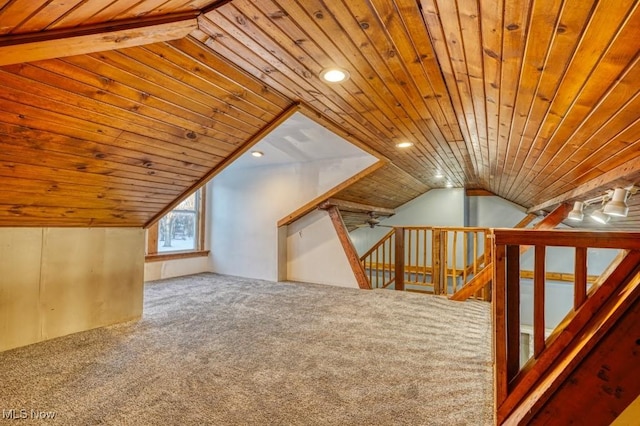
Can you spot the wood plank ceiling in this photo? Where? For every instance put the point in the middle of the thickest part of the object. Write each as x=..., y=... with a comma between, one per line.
x=527, y=99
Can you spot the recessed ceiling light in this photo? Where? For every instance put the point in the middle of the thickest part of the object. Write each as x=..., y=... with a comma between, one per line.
x=439, y=175
x=334, y=75
x=404, y=144
x=257, y=153
x=449, y=185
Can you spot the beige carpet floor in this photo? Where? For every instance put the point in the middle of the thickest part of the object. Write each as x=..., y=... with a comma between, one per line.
x=221, y=350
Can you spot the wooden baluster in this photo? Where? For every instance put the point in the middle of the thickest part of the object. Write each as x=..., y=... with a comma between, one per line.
x=381, y=266
x=384, y=263
x=390, y=255
x=539, y=272
x=465, y=258
x=377, y=265
x=513, y=311
x=436, y=250
x=410, y=248
x=418, y=255
x=580, y=285
x=488, y=258
x=424, y=255
x=408, y=252
x=417, y=280
x=381, y=248
x=454, y=275
x=399, y=269
x=475, y=253
x=475, y=259
x=411, y=253
x=368, y=261
x=499, y=326
x=445, y=263
x=392, y=258
x=487, y=249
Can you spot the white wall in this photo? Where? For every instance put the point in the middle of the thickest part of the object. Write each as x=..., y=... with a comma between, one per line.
x=438, y=207
x=162, y=269
x=493, y=212
x=315, y=254
x=247, y=203
x=58, y=281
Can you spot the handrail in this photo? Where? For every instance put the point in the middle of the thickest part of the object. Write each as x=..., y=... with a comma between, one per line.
x=532, y=237
x=480, y=280
x=513, y=382
x=447, y=228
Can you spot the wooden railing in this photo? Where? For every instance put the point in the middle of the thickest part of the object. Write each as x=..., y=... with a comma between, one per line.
x=437, y=260
x=379, y=262
x=512, y=383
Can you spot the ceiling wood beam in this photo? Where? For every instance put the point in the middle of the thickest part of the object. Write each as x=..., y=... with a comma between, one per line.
x=525, y=221
x=351, y=206
x=550, y=221
x=95, y=38
x=601, y=181
x=214, y=6
x=313, y=204
x=478, y=192
x=554, y=218
x=349, y=249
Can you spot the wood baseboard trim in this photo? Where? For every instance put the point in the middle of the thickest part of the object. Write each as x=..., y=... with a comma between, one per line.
x=173, y=256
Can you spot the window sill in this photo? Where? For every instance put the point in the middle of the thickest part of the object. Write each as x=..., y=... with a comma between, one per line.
x=177, y=255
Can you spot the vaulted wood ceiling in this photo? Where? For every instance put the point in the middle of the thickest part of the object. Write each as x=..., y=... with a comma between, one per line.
x=110, y=112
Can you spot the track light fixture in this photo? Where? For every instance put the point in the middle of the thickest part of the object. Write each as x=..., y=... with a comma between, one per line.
x=577, y=213
x=614, y=203
x=600, y=217
x=618, y=204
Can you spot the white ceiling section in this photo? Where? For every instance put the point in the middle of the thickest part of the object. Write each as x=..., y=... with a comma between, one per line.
x=298, y=140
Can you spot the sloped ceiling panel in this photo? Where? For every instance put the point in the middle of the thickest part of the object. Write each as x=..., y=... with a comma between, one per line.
x=396, y=91
x=389, y=187
x=112, y=138
x=527, y=99
x=549, y=89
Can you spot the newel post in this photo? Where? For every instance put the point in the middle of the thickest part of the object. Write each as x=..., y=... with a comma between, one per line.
x=399, y=259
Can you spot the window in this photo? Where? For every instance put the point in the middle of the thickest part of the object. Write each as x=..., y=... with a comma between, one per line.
x=179, y=233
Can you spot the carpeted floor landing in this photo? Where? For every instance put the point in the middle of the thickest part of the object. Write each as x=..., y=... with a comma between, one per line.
x=222, y=350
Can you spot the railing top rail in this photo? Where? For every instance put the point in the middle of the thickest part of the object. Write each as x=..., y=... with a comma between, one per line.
x=462, y=228
x=445, y=228
x=413, y=227
x=561, y=238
